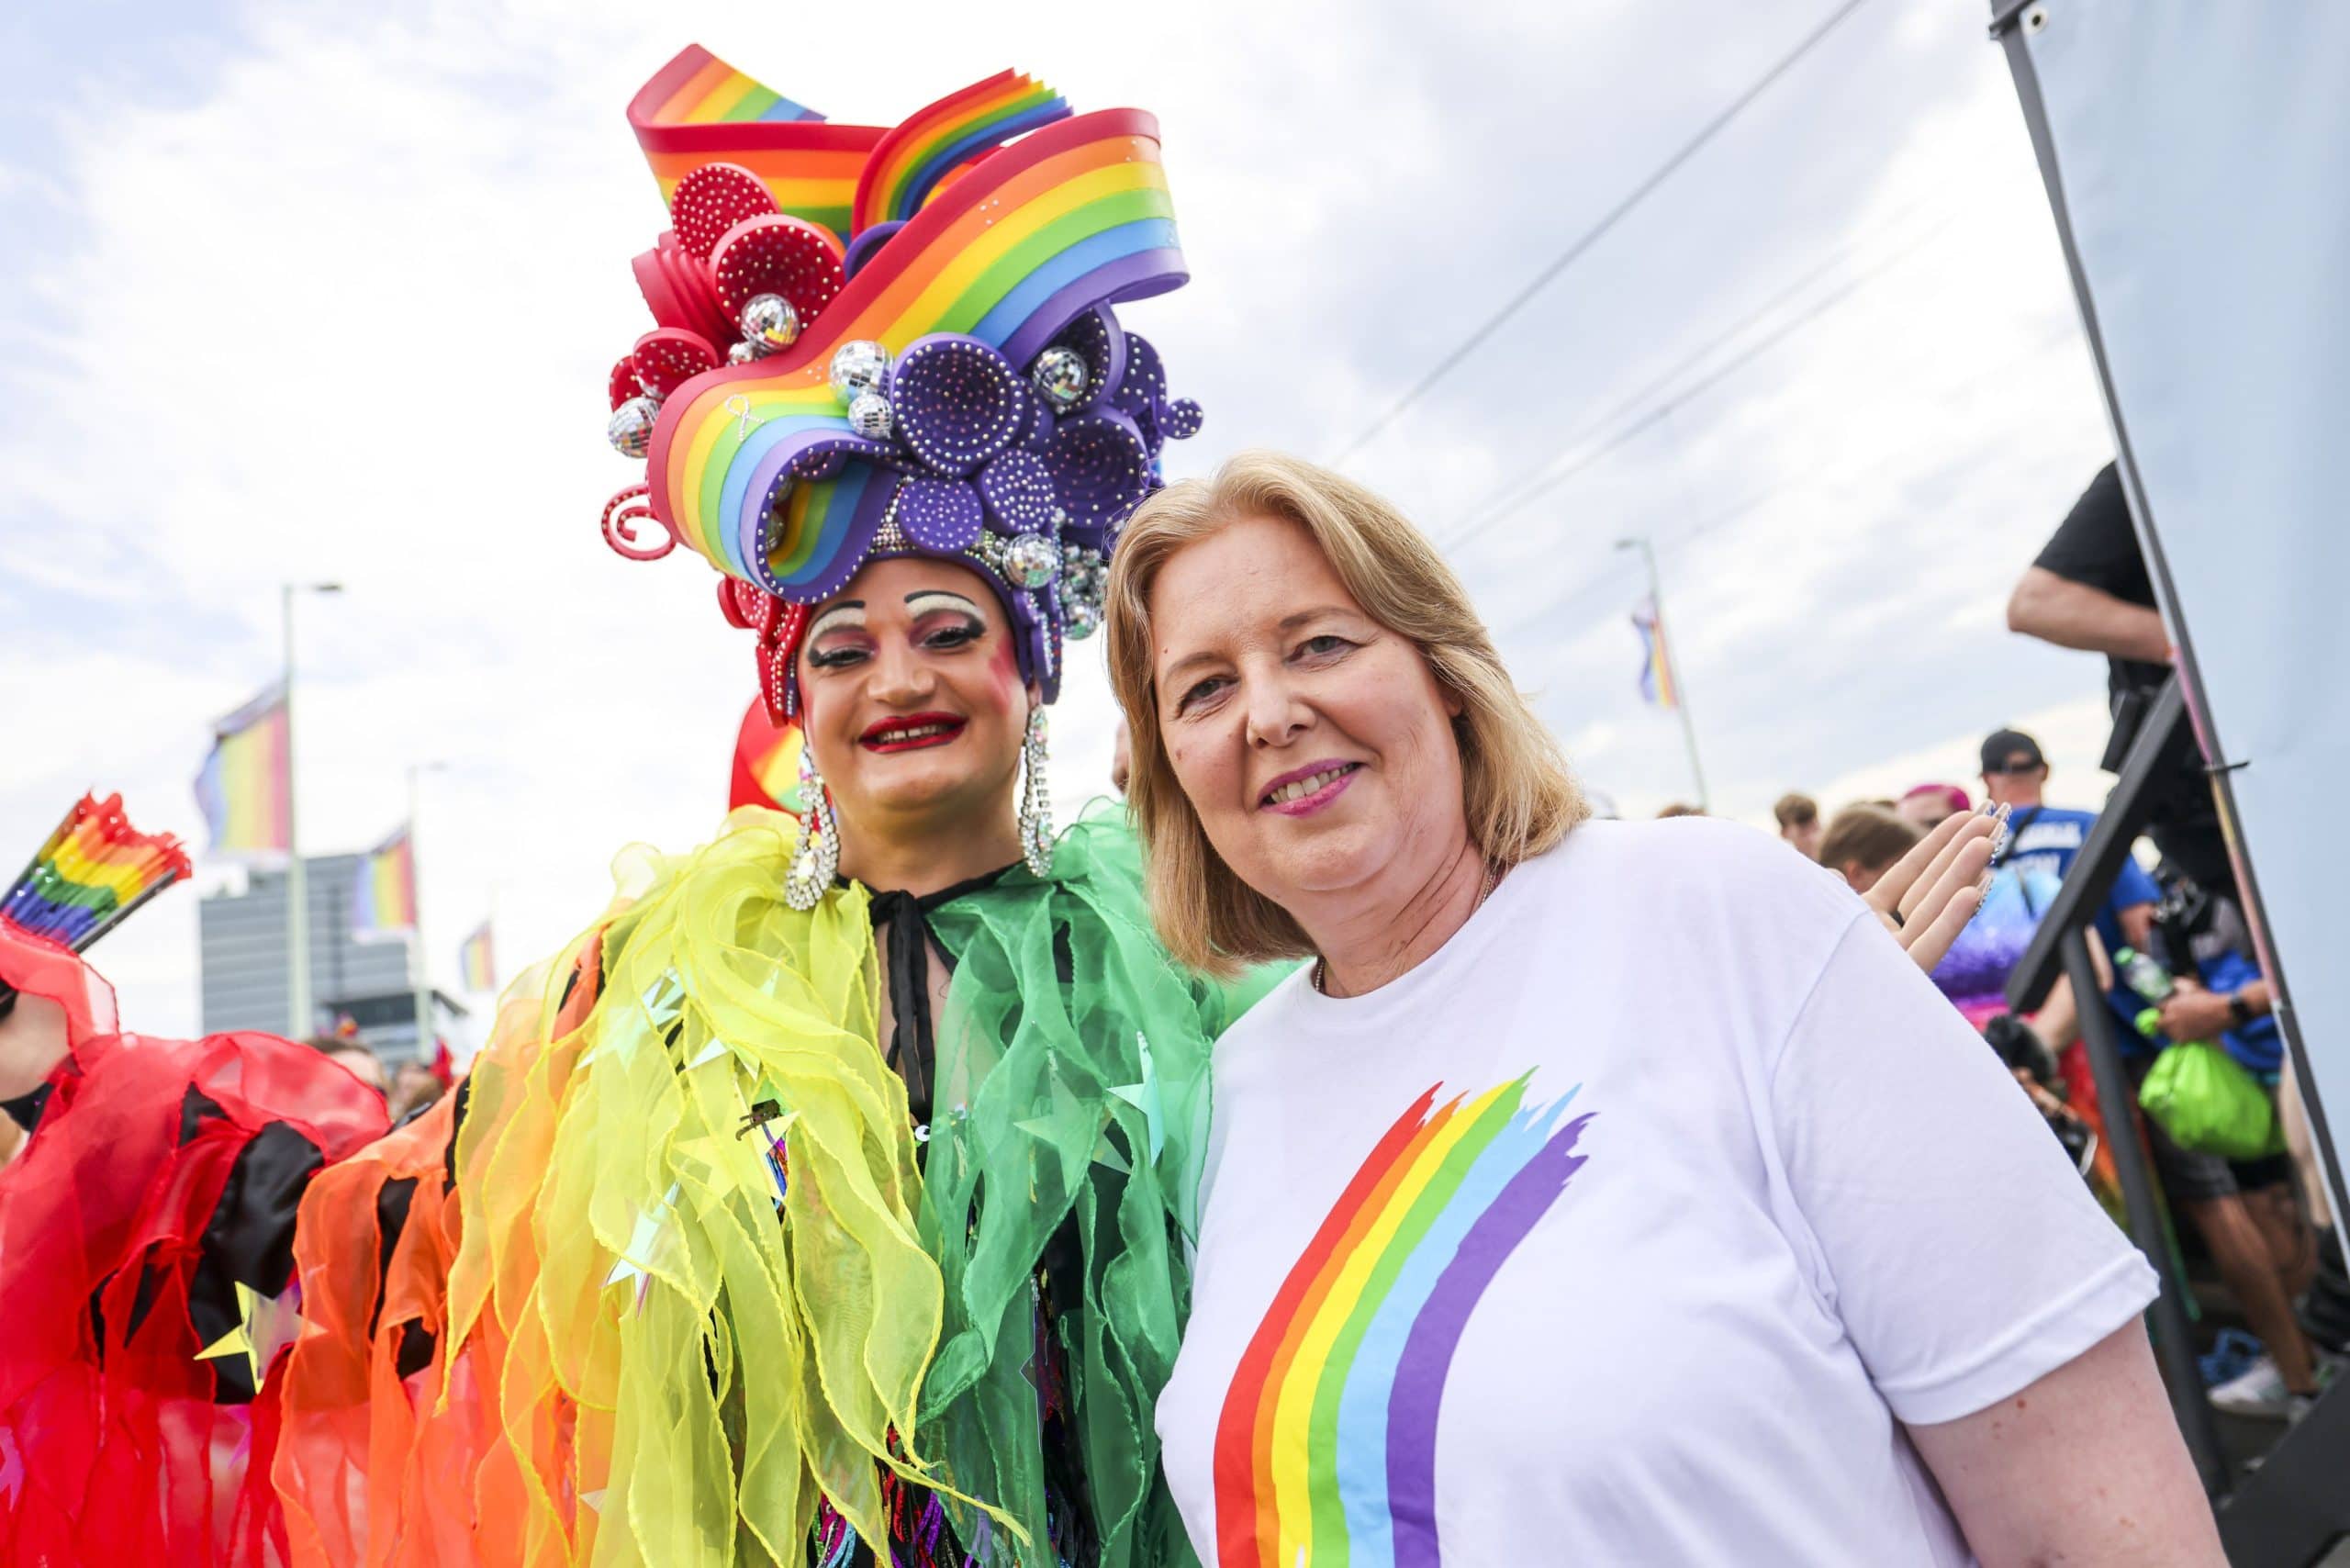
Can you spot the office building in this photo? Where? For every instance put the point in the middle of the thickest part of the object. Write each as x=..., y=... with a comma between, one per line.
x=243, y=948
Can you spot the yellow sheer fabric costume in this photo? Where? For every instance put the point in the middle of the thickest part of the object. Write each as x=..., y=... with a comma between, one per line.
x=655, y=1338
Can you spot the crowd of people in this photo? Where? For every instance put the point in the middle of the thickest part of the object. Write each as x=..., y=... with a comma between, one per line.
x=1354, y=1152
x=2178, y=922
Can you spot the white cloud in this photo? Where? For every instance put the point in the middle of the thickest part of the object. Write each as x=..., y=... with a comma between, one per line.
x=345, y=311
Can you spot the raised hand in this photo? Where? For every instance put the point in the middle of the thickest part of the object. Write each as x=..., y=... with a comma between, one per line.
x=1931, y=893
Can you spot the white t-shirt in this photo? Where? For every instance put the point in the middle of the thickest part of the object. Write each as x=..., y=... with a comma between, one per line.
x=1625, y=1229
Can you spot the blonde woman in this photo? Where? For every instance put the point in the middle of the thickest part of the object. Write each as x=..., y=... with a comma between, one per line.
x=1609, y=1193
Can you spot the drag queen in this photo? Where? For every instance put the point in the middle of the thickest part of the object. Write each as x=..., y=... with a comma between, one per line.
x=826, y=1201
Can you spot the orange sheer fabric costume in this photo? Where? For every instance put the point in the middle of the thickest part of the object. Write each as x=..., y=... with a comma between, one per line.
x=394, y=1451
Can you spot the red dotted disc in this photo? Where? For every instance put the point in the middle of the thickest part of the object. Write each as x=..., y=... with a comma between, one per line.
x=623, y=385
x=747, y=605
x=712, y=199
x=777, y=255
x=677, y=289
x=667, y=359
x=727, y=606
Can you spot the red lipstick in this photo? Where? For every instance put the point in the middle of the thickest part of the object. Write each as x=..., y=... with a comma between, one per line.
x=910, y=732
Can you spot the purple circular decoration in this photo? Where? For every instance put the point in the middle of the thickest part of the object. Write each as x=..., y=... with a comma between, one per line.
x=861, y=249
x=1146, y=373
x=958, y=402
x=1101, y=469
x=940, y=515
x=1179, y=421
x=1140, y=395
x=1037, y=435
x=1097, y=337
x=1018, y=489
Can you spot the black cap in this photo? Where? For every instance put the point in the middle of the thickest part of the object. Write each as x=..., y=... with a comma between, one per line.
x=2001, y=746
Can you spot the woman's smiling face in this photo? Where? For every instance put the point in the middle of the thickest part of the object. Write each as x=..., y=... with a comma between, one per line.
x=1315, y=745
x=911, y=694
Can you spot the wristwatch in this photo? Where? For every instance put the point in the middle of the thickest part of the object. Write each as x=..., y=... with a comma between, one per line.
x=2240, y=1011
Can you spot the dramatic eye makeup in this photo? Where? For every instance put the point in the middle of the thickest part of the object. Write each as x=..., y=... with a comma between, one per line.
x=947, y=620
x=848, y=615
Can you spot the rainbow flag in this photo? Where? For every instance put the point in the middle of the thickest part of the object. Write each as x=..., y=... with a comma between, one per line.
x=1656, y=667
x=477, y=968
x=766, y=762
x=246, y=785
x=383, y=899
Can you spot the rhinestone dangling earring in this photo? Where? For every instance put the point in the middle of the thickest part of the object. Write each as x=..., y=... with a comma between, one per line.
x=816, y=858
x=1036, y=799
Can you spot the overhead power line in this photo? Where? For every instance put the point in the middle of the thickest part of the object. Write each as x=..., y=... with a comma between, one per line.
x=1515, y=495
x=1917, y=457
x=1662, y=382
x=1598, y=232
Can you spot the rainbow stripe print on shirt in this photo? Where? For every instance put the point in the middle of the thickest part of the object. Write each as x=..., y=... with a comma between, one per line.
x=1325, y=1447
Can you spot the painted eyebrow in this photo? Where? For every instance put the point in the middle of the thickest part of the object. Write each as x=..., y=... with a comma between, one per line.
x=844, y=607
x=921, y=594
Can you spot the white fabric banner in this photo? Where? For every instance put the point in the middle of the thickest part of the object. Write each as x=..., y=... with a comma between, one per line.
x=2202, y=151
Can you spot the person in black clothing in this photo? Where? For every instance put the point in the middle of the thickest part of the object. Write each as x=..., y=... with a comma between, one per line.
x=2089, y=589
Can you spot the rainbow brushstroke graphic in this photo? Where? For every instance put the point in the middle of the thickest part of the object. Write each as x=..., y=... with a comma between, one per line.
x=1325, y=1447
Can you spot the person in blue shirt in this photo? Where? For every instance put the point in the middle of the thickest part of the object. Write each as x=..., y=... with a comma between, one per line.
x=2043, y=838
x=2255, y=1239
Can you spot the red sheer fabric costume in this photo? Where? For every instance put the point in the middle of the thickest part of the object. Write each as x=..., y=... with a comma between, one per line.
x=144, y=1197
x=38, y=967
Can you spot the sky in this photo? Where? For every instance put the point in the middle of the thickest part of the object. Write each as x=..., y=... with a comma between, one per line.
x=298, y=294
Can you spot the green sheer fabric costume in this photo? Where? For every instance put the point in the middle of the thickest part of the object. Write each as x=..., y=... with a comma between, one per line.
x=1072, y=1102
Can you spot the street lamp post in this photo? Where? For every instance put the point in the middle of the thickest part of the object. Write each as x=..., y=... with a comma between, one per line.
x=297, y=892
x=423, y=975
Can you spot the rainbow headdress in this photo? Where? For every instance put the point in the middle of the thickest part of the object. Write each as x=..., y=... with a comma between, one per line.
x=87, y=878
x=882, y=342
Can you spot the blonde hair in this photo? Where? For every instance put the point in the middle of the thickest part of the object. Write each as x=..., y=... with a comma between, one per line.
x=1519, y=798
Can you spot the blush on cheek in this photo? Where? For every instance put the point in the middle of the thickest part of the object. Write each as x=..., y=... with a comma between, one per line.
x=1003, y=672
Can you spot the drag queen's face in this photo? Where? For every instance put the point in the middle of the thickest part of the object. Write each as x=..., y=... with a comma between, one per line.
x=1314, y=743
x=912, y=697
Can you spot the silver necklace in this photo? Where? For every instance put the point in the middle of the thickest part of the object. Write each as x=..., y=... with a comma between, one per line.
x=1492, y=879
